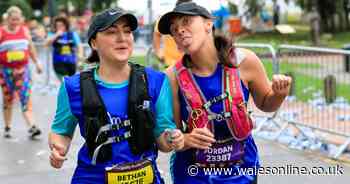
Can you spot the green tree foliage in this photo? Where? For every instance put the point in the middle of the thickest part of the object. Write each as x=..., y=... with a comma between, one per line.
x=232, y=8
x=253, y=6
x=23, y=4
x=333, y=13
x=81, y=5
x=102, y=5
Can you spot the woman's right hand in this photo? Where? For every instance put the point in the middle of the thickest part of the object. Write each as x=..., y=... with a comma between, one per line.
x=199, y=138
x=58, y=156
x=59, y=33
x=159, y=56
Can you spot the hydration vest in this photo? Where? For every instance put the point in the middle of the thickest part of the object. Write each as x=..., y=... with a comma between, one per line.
x=98, y=129
x=63, y=49
x=235, y=112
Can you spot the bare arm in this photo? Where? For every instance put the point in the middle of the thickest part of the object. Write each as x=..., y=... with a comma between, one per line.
x=80, y=51
x=267, y=95
x=51, y=39
x=156, y=44
x=32, y=51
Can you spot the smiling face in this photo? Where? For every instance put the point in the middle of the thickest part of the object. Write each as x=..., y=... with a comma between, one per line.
x=190, y=32
x=115, y=44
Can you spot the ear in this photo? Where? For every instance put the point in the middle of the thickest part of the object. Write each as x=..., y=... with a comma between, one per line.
x=93, y=44
x=208, y=26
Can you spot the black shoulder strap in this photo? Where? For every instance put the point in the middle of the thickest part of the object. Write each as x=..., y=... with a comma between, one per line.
x=138, y=84
x=91, y=99
x=139, y=111
x=94, y=113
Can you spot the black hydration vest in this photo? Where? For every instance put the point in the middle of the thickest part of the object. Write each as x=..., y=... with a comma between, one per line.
x=140, y=123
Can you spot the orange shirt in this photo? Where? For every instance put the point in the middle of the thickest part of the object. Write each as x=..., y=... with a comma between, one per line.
x=170, y=52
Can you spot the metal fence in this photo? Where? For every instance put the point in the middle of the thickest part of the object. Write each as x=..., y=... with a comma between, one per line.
x=267, y=54
x=320, y=96
x=316, y=114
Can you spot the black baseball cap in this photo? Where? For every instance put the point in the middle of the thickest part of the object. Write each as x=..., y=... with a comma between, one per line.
x=186, y=8
x=106, y=18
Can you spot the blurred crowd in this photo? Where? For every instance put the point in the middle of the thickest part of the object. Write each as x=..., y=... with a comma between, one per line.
x=40, y=28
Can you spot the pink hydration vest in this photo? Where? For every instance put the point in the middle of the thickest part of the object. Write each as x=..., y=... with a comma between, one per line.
x=236, y=115
x=14, y=48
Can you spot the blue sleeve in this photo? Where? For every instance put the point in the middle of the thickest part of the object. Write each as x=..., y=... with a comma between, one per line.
x=76, y=38
x=64, y=122
x=164, y=109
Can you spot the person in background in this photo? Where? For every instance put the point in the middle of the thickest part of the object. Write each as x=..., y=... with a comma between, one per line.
x=47, y=23
x=66, y=48
x=221, y=15
x=3, y=19
x=37, y=31
x=169, y=53
x=16, y=47
x=83, y=24
x=276, y=12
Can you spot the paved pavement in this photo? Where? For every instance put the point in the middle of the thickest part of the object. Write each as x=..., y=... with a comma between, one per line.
x=25, y=160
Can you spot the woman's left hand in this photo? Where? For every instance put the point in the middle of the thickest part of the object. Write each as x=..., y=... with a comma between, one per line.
x=281, y=84
x=175, y=139
x=39, y=68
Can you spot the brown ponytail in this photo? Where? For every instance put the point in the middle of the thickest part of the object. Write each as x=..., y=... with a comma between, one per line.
x=224, y=46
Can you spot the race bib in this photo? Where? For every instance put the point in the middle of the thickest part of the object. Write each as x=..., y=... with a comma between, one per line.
x=66, y=50
x=132, y=173
x=226, y=152
x=13, y=56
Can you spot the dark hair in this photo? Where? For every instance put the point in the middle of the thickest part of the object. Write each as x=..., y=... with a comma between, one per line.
x=93, y=57
x=182, y=1
x=64, y=20
x=223, y=45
